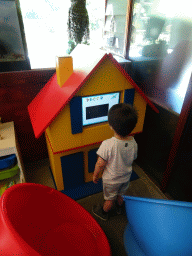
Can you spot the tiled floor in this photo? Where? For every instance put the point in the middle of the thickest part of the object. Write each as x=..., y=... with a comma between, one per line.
x=39, y=172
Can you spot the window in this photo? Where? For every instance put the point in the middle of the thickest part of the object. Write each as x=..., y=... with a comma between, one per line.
x=115, y=29
x=45, y=24
x=158, y=26
x=156, y=35
x=161, y=49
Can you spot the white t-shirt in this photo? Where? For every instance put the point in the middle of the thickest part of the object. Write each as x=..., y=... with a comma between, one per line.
x=119, y=155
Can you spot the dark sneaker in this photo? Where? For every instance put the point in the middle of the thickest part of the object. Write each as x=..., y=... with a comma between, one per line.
x=98, y=211
x=120, y=209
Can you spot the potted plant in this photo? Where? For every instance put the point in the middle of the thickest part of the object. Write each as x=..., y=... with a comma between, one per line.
x=78, y=24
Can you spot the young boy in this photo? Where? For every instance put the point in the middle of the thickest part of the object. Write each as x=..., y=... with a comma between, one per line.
x=115, y=158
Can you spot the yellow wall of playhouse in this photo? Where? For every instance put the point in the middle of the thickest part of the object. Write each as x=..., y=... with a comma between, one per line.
x=107, y=78
x=55, y=164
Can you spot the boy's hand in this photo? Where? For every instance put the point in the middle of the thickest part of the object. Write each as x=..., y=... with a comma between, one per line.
x=95, y=179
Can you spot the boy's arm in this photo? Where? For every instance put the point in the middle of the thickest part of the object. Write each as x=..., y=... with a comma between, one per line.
x=99, y=166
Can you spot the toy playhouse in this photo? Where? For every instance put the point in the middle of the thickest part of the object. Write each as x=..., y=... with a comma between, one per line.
x=72, y=110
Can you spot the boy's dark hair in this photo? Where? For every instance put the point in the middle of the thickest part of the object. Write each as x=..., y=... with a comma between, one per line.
x=122, y=118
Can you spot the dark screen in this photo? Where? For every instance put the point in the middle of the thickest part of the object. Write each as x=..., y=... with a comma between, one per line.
x=97, y=111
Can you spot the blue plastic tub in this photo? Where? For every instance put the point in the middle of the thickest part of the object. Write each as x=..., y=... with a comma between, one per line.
x=7, y=161
x=158, y=227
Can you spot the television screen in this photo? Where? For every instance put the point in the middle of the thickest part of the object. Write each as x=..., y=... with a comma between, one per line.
x=95, y=108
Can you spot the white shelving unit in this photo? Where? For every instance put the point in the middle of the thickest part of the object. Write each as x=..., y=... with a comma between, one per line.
x=9, y=146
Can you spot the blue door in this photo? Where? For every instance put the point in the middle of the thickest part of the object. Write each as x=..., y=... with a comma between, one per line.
x=73, y=170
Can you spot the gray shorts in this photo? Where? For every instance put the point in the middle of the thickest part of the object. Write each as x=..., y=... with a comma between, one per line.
x=111, y=191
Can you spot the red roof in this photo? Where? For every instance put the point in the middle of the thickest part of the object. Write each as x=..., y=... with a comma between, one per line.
x=50, y=101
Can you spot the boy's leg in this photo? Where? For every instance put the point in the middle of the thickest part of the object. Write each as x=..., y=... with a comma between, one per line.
x=108, y=204
x=120, y=204
x=110, y=194
x=122, y=190
x=120, y=200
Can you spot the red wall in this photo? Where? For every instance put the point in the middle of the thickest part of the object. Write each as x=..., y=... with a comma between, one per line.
x=17, y=90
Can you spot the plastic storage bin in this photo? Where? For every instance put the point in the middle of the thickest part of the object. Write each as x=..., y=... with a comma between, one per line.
x=158, y=227
x=8, y=173
x=38, y=220
x=7, y=161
